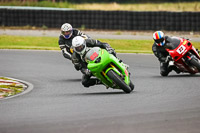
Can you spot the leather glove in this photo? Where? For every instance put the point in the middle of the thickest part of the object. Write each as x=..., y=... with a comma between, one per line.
x=186, y=38
x=110, y=50
x=86, y=72
x=168, y=58
x=162, y=59
x=77, y=67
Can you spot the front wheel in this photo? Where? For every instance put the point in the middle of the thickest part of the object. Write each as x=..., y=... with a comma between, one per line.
x=118, y=81
x=195, y=62
x=131, y=85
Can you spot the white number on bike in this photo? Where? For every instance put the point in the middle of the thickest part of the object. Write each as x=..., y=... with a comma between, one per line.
x=181, y=49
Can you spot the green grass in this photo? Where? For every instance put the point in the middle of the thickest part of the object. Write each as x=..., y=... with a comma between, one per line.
x=38, y=4
x=130, y=46
x=24, y=42
x=164, y=6
x=51, y=43
x=178, y=6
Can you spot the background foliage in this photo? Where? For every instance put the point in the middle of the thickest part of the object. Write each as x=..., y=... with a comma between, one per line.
x=103, y=1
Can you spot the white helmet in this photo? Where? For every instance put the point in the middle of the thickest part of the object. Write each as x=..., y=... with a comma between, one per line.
x=66, y=30
x=79, y=45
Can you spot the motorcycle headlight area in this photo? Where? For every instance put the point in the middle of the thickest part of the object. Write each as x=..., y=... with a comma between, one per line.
x=98, y=60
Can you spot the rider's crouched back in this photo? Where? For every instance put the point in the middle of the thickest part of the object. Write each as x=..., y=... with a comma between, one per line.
x=97, y=43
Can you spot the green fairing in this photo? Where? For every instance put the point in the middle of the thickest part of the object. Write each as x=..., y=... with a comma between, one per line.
x=104, y=66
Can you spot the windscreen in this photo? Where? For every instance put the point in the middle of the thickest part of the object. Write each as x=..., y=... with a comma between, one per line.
x=175, y=41
x=92, y=54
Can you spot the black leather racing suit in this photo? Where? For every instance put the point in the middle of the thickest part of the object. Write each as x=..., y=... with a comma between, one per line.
x=161, y=53
x=65, y=44
x=80, y=63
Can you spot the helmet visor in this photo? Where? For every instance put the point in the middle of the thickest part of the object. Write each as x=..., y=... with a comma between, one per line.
x=66, y=33
x=80, y=48
x=159, y=40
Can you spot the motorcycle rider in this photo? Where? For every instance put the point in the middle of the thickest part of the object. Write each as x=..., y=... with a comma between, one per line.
x=65, y=39
x=159, y=49
x=81, y=46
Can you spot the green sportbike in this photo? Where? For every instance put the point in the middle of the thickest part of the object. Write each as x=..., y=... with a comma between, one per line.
x=107, y=68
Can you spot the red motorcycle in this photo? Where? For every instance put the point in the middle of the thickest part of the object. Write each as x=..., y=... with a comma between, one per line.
x=185, y=56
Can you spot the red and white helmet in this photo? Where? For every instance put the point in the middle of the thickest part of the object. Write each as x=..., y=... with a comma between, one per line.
x=159, y=38
x=66, y=30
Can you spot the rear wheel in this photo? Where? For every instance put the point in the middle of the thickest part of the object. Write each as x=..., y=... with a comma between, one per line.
x=195, y=62
x=118, y=81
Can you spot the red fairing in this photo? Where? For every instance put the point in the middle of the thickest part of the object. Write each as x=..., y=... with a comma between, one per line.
x=177, y=54
x=181, y=50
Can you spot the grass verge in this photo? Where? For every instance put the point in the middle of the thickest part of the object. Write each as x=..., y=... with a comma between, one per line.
x=164, y=6
x=51, y=43
x=175, y=6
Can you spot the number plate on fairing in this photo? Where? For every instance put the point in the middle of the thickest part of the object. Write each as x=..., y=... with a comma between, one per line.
x=92, y=54
x=181, y=49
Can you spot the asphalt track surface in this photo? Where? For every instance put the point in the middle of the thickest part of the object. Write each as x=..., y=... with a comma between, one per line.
x=59, y=103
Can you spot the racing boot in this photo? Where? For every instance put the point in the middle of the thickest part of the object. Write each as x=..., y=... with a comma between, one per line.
x=164, y=69
x=98, y=82
x=173, y=67
x=176, y=69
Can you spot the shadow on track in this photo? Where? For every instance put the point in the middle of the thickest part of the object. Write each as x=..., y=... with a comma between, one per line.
x=103, y=93
x=70, y=80
x=98, y=93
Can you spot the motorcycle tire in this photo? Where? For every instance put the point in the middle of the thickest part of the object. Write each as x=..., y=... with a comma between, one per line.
x=131, y=85
x=118, y=81
x=195, y=62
